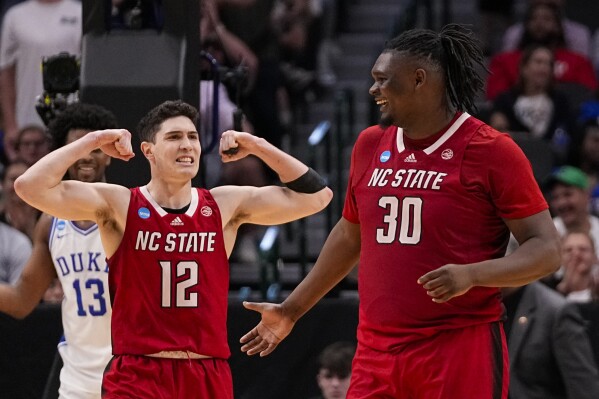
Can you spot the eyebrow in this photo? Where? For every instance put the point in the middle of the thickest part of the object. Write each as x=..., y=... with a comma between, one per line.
x=180, y=131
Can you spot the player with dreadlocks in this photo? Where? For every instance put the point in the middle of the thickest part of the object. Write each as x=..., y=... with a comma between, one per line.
x=432, y=197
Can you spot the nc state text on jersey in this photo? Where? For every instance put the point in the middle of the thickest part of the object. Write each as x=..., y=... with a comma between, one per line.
x=407, y=178
x=180, y=242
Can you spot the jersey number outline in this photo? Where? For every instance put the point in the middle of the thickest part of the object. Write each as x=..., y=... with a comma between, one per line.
x=97, y=285
x=411, y=217
x=183, y=299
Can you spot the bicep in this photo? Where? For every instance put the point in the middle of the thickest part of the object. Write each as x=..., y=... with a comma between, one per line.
x=539, y=225
x=75, y=200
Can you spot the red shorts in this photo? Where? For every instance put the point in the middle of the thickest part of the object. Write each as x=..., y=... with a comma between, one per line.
x=471, y=362
x=128, y=376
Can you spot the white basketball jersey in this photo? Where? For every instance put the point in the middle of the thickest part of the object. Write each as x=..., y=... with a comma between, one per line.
x=80, y=263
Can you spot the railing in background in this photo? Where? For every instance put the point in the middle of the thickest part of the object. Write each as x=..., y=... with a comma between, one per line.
x=344, y=135
x=270, y=264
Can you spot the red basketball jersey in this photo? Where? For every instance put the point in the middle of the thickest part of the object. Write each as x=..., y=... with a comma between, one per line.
x=169, y=279
x=420, y=209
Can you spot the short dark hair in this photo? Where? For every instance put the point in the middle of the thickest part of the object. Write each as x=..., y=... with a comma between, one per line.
x=337, y=358
x=150, y=124
x=455, y=51
x=80, y=116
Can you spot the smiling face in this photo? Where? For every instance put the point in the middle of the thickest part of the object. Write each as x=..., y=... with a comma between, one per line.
x=175, y=152
x=89, y=169
x=570, y=203
x=391, y=87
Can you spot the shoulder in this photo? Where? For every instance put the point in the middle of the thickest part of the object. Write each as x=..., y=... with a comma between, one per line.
x=370, y=137
x=488, y=139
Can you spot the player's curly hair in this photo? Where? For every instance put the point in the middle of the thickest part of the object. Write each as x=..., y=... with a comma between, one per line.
x=150, y=124
x=80, y=116
x=455, y=50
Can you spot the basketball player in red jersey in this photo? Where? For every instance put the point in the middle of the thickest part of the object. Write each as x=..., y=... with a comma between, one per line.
x=433, y=194
x=167, y=245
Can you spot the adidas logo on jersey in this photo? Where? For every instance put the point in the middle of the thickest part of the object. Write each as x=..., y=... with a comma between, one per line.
x=177, y=222
x=410, y=158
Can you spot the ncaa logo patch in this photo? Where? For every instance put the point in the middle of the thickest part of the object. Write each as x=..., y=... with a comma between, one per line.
x=385, y=156
x=206, y=211
x=447, y=154
x=143, y=213
x=61, y=225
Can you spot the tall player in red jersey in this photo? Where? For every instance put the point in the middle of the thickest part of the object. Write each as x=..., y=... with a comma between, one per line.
x=433, y=195
x=167, y=245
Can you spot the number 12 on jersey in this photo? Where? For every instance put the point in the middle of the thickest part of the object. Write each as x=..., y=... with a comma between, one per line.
x=183, y=298
x=410, y=220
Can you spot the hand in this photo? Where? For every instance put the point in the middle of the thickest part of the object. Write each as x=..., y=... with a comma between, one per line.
x=235, y=145
x=115, y=142
x=272, y=329
x=447, y=282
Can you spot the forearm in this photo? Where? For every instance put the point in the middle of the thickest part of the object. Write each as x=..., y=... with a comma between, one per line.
x=14, y=304
x=338, y=257
x=287, y=167
x=533, y=259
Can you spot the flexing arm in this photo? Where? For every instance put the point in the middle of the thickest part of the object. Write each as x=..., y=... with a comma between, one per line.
x=339, y=255
x=268, y=205
x=42, y=186
x=20, y=299
x=537, y=256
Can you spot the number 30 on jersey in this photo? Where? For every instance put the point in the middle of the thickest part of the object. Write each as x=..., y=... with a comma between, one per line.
x=405, y=213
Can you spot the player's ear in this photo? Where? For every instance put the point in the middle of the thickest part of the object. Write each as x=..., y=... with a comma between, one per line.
x=147, y=149
x=419, y=77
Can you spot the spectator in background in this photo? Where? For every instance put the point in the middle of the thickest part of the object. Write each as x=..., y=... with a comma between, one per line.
x=30, y=31
x=495, y=17
x=579, y=265
x=577, y=37
x=568, y=191
x=334, y=372
x=264, y=104
x=584, y=154
x=15, y=249
x=533, y=106
x=17, y=212
x=230, y=52
x=549, y=348
x=32, y=143
x=542, y=26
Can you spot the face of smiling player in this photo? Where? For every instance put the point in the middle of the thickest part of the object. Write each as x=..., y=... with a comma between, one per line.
x=91, y=168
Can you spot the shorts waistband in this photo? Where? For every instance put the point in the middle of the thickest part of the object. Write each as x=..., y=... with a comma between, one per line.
x=178, y=355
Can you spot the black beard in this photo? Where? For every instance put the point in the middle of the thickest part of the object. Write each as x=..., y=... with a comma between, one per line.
x=385, y=122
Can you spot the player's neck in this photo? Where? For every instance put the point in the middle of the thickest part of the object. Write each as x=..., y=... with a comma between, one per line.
x=427, y=127
x=170, y=195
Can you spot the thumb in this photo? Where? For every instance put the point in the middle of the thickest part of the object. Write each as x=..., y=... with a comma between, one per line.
x=257, y=307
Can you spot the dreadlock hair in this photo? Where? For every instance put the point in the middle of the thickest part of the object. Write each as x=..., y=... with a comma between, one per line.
x=455, y=51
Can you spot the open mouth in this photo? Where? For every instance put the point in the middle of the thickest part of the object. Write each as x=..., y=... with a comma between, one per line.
x=185, y=160
x=381, y=102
